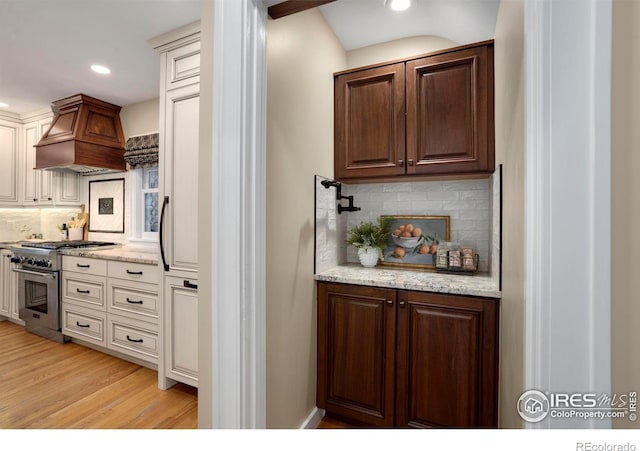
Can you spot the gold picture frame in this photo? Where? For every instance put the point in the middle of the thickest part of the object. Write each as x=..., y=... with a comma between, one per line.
x=413, y=240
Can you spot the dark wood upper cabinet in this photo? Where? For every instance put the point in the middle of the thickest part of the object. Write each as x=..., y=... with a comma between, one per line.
x=448, y=113
x=370, y=122
x=398, y=358
x=441, y=124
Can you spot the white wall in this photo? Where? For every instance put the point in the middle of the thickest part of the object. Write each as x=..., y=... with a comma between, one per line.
x=398, y=49
x=302, y=54
x=509, y=126
x=140, y=118
x=625, y=166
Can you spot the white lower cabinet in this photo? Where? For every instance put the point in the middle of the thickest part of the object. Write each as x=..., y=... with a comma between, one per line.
x=112, y=304
x=84, y=323
x=134, y=338
x=181, y=331
x=8, y=289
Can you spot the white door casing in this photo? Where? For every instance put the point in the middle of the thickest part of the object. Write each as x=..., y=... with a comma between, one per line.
x=232, y=324
x=567, y=200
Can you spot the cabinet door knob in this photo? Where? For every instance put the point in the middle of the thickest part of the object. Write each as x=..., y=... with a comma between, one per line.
x=410, y=162
x=400, y=162
x=390, y=302
x=401, y=303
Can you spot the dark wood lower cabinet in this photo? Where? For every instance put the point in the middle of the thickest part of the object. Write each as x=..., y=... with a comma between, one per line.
x=402, y=358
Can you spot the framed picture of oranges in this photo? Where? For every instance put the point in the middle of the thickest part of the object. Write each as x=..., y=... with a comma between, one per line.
x=413, y=240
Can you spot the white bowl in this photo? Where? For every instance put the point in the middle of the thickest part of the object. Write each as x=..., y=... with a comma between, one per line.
x=407, y=243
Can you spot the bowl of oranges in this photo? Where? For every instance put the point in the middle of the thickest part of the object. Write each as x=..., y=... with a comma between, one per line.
x=407, y=236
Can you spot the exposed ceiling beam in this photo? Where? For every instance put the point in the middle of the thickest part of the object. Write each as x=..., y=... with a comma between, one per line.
x=294, y=6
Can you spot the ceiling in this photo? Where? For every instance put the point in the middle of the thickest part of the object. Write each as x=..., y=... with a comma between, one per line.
x=359, y=23
x=47, y=46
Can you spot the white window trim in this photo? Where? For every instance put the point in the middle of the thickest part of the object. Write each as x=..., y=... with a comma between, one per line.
x=137, y=234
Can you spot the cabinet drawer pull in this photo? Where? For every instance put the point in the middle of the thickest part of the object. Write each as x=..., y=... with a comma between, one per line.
x=82, y=325
x=135, y=273
x=390, y=302
x=134, y=340
x=134, y=302
x=83, y=291
x=400, y=162
x=402, y=303
x=82, y=266
x=188, y=284
x=410, y=161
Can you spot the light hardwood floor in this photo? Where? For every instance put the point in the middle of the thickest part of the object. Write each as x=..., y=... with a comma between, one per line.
x=46, y=385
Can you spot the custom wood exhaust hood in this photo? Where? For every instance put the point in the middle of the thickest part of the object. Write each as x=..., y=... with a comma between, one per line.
x=85, y=136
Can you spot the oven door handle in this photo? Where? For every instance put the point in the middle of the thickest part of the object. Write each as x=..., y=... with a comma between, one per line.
x=50, y=275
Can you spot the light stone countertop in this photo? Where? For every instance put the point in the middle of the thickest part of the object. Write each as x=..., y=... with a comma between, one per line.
x=480, y=284
x=119, y=253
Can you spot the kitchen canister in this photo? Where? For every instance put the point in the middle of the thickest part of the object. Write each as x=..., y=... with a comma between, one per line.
x=76, y=233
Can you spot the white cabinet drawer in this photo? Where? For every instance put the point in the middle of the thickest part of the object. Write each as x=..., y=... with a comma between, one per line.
x=137, y=272
x=183, y=66
x=139, y=300
x=84, y=290
x=133, y=338
x=84, y=324
x=84, y=265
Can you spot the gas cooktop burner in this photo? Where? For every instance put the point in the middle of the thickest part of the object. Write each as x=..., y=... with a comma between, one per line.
x=65, y=244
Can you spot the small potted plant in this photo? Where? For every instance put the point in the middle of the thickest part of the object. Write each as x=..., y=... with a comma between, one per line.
x=370, y=239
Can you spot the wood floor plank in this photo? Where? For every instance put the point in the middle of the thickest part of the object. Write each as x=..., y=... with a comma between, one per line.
x=47, y=385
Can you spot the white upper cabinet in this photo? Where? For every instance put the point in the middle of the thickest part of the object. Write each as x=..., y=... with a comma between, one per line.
x=45, y=187
x=38, y=184
x=10, y=157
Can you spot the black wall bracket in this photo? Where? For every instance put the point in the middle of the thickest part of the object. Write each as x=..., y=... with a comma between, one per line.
x=328, y=184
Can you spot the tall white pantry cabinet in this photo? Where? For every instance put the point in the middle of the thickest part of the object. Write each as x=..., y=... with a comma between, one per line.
x=178, y=193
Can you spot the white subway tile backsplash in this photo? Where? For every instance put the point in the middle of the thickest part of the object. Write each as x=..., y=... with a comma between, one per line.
x=480, y=215
x=415, y=195
x=443, y=195
x=472, y=205
x=397, y=187
x=397, y=206
x=37, y=220
x=428, y=207
x=474, y=194
x=466, y=202
x=465, y=185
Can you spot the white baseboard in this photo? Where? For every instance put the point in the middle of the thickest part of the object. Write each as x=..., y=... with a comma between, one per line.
x=313, y=420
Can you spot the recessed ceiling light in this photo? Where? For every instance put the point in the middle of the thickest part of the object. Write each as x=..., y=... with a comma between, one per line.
x=100, y=69
x=3, y=105
x=399, y=5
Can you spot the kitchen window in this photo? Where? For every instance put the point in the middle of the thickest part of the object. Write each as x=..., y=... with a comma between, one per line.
x=144, y=200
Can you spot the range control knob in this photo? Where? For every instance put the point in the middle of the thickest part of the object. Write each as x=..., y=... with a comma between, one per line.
x=31, y=261
x=16, y=260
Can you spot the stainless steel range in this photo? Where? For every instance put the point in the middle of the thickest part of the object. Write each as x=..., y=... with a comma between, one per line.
x=39, y=290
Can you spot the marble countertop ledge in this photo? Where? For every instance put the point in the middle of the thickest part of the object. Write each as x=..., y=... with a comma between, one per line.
x=119, y=253
x=480, y=284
